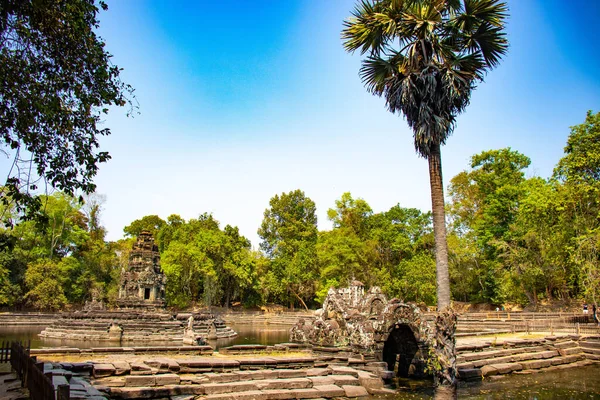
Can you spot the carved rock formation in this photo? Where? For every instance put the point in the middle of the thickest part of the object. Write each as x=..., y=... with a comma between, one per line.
x=372, y=326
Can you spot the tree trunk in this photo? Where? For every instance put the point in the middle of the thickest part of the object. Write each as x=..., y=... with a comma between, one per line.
x=445, y=326
x=439, y=228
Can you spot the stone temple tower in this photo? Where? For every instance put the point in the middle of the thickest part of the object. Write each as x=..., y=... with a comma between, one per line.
x=143, y=282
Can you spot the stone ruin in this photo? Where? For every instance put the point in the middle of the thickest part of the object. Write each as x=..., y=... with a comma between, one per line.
x=142, y=283
x=141, y=314
x=371, y=327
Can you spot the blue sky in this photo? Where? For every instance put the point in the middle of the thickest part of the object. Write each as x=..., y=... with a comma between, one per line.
x=241, y=100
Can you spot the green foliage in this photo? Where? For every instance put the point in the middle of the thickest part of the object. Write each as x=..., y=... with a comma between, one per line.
x=150, y=223
x=204, y=263
x=43, y=279
x=58, y=82
x=289, y=237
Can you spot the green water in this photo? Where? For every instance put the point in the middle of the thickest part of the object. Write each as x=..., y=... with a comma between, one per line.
x=572, y=383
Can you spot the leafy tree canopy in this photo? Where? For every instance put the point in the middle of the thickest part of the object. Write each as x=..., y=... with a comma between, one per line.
x=58, y=81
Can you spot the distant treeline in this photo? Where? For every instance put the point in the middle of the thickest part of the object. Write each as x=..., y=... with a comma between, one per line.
x=511, y=239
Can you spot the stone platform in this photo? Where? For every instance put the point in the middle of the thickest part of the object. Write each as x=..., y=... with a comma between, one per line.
x=135, y=326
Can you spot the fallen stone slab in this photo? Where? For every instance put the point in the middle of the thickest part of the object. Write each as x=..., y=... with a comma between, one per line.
x=369, y=381
x=103, y=370
x=121, y=367
x=489, y=370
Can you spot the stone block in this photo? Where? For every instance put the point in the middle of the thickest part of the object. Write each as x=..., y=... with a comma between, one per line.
x=554, y=353
x=536, y=364
x=140, y=380
x=488, y=370
x=121, y=367
x=322, y=380
x=103, y=370
x=341, y=370
x=167, y=379
x=137, y=393
x=223, y=377
x=113, y=381
x=306, y=393
x=58, y=380
x=369, y=381
x=355, y=391
x=218, y=388
x=317, y=372
x=469, y=373
x=139, y=366
x=329, y=391
x=507, y=368
x=291, y=373
x=176, y=390
x=221, y=396
x=279, y=394
x=345, y=380
x=292, y=383
x=249, y=395
x=572, y=350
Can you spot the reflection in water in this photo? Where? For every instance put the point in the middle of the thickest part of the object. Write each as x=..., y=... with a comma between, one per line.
x=247, y=334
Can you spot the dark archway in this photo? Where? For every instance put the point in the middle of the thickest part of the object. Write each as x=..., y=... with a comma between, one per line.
x=401, y=348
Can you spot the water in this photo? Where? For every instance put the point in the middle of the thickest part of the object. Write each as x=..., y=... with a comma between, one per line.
x=247, y=334
x=573, y=383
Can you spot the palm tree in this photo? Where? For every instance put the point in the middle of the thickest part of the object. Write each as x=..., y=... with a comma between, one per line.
x=425, y=57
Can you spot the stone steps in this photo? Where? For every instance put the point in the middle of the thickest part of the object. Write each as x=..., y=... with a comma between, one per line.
x=271, y=383
x=550, y=353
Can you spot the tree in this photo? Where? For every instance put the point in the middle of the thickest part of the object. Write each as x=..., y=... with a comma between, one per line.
x=58, y=81
x=579, y=172
x=150, y=223
x=289, y=237
x=485, y=202
x=425, y=58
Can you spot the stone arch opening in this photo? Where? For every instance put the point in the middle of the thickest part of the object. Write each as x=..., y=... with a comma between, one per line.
x=399, y=350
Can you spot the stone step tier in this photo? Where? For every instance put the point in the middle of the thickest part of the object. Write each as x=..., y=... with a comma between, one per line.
x=525, y=356
x=222, y=378
x=134, y=329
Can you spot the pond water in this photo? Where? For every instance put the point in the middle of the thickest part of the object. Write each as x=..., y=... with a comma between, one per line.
x=573, y=383
x=247, y=334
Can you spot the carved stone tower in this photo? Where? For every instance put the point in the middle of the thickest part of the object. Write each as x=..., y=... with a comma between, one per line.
x=143, y=282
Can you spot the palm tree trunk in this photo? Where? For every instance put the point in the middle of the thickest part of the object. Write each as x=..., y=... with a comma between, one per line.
x=439, y=228
x=445, y=325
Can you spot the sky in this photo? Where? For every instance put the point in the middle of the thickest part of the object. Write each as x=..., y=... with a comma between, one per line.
x=242, y=100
